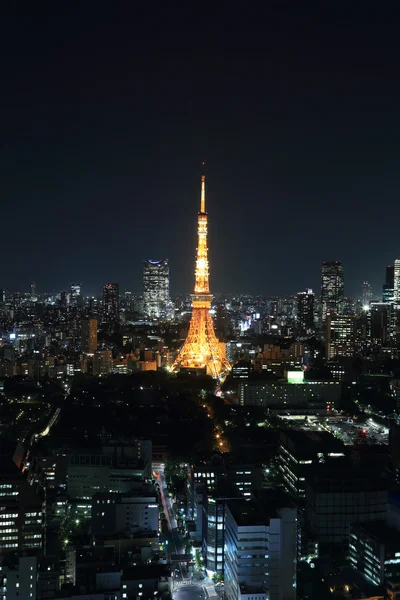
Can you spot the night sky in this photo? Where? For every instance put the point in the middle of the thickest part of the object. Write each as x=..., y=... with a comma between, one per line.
x=107, y=115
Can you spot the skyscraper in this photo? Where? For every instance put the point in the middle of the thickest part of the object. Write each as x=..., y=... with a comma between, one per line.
x=155, y=287
x=332, y=287
x=201, y=349
x=396, y=281
x=305, y=312
x=89, y=335
x=111, y=301
x=339, y=335
x=366, y=293
x=388, y=286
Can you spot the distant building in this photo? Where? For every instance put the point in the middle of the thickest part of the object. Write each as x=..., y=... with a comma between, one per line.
x=366, y=293
x=268, y=394
x=332, y=288
x=260, y=551
x=388, y=286
x=156, y=288
x=299, y=451
x=21, y=515
x=111, y=468
x=18, y=579
x=339, y=495
x=305, y=312
x=130, y=513
x=213, y=531
x=380, y=319
x=89, y=335
x=111, y=301
x=396, y=281
x=339, y=335
x=102, y=362
x=374, y=551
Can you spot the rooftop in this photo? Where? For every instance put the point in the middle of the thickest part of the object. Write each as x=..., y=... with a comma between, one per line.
x=248, y=513
x=311, y=442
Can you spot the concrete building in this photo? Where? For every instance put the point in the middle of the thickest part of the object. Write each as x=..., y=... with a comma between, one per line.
x=112, y=468
x=18, y=578
x=156, y=298
x=374, y=551
x=89, y=335
x=130, y=513
x=22, y=509
x=111, y=301
x=299, y=451
x=340, y=335
x=260, y=551
x=102, y=362
x=284, y=394
x=332, y=288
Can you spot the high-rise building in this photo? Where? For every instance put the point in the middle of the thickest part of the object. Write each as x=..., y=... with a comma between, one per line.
x=89, y=335
x=305, y=312
x=111, y=301
x=339, y=335
x=396, y=281
x=380, y=322
x=102, y=362
x=201, y=350
x=260, y=551
x=388, y=286
x=332, y=287
x=21, y=515
x=366, y=293
x=155, y=288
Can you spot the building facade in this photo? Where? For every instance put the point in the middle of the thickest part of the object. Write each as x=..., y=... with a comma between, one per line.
x=89, y=335
x=111, y=301
x=305, y=312
x=156, y=298
x=260, y=552
x=332, y=288
x=340, y=334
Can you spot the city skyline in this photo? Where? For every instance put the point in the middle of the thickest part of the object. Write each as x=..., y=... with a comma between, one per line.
x=297, y=122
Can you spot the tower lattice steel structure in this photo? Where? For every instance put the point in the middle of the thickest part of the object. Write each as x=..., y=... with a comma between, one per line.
x=201, y=348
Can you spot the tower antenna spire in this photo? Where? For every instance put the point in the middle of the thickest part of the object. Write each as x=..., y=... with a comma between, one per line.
x=203, y=188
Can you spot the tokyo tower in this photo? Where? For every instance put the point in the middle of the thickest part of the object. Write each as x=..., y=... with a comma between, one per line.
x=201, y=349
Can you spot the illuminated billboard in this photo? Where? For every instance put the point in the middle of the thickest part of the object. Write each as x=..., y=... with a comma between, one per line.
x=295, y=376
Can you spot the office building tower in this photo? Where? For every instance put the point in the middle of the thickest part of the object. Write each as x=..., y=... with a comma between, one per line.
x=332, y=288
x=338, y=494
x=366, y=294
x=111, y=301
x=33, y=291
x=380, y=322
x=396, y=281
x=155, y=288
x=75, y=295
x=374, y=551
x=102, y=362
x=21, y=515
x=388, y=286
x=131, y=513
x=89, y=335
x=299, y=452
x=339, y=335
x=260, y=551
x=18, y=579
x=305, y=312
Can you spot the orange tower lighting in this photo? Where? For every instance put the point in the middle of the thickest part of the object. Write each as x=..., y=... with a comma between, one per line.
x=201, y=349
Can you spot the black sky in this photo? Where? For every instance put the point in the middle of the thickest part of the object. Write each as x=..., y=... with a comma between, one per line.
x=106, y=116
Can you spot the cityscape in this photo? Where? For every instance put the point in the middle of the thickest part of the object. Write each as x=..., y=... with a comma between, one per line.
x=209, y=445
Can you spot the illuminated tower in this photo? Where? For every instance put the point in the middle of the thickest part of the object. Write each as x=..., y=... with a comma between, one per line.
x=201, y=349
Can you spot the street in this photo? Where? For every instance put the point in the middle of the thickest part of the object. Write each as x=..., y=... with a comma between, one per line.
x=190, y=592
x=175, y=537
